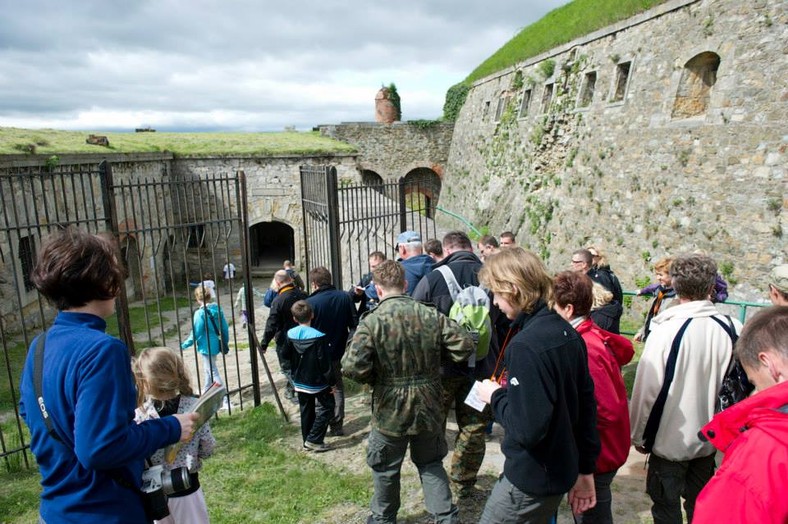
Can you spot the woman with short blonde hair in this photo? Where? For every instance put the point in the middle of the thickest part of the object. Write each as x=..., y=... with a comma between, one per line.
x=519, y=276
x=547, y=408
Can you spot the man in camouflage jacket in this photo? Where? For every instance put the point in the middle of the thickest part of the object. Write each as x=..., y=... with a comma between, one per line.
x=397, y=348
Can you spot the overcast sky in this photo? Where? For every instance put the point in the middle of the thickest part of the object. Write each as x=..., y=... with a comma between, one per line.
x=239, y=65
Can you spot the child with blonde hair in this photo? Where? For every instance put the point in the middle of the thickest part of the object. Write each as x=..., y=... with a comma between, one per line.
x=163, y=388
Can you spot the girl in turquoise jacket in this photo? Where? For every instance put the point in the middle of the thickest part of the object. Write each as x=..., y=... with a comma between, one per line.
x=207, y=323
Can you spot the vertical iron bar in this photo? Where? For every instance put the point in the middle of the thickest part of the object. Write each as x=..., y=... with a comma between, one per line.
x=111, y=220
x=403, y=216
x=333, y=224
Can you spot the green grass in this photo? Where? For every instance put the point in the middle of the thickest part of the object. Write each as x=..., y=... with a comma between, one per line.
x=252, y=477
x=558, y=27
x=137, y=315
x=19, y=496
x=53, y=142
x=16, y=353
x=629, y=324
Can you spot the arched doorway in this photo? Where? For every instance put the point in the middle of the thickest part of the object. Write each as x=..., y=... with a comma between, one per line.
x=371, y=178
x=270, y=244
x=422, y=189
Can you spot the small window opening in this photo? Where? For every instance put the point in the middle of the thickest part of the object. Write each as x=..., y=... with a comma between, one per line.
x=697, y=79
x=622, y=78
x=587, y=93
x=547, y=97
x=27, y=256
x=196, y=235
x=525, y=103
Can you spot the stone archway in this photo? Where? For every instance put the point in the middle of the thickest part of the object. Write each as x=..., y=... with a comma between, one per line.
x=697, y=79
x=270, y=244
x=425, y=183
x=371, y=178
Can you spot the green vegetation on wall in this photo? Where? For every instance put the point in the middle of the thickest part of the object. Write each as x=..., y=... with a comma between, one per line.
x=455, y=99
x=558, y=27
x=395, y=99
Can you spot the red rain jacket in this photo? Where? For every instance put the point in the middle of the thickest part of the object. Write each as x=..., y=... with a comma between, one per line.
x=607, y=352
x=752, y=482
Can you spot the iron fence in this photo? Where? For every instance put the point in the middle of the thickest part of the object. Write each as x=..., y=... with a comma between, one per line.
x=343, y=224
x=173, y=232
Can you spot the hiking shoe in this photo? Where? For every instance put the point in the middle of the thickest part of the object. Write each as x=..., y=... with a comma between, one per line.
x=316, y=447
x=291, y=396
x=336, y=432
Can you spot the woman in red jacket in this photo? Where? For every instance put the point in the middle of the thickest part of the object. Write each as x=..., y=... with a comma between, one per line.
x=607, y=352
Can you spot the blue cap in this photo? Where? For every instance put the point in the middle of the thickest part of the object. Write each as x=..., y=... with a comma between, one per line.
x=407, y=237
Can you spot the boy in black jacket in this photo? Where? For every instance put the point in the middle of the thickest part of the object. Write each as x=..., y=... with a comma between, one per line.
x=306, y=350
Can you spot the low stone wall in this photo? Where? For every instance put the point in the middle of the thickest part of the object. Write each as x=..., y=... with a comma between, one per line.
x=393, y=150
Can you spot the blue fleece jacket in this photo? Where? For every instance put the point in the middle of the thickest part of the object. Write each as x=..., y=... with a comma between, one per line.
x=90, y=396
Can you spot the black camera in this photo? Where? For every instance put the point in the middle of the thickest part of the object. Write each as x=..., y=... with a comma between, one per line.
x=157, y=483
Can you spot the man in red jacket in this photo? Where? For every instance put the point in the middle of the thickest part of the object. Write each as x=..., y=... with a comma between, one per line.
x=750, y=485
x=607, y=352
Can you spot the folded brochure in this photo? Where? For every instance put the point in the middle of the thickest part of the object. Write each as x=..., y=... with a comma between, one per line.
x=210, y=402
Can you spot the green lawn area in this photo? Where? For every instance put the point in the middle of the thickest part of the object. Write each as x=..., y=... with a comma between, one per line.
x=54, y=142
x=252, y=477
x=16, y=350
x=147, y=315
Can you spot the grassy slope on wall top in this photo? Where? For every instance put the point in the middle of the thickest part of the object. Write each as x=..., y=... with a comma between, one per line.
x=557, y=27
x=50, y=141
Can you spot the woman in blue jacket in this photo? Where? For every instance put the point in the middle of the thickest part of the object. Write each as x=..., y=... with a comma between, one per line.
x=90, y=453
x=207, y=325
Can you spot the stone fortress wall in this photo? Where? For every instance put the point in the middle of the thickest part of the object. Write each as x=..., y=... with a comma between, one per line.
x=662, y=134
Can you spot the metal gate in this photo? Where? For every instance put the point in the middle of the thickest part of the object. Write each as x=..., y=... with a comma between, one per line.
x=343, y=224
x=173, y=232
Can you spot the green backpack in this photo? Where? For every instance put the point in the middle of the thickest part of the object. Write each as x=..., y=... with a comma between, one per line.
x=471, y=309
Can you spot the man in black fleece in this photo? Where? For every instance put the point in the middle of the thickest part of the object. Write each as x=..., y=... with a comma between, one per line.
x=280, y=319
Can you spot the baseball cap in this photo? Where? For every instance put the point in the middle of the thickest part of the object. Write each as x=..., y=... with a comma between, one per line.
x=779, y=278
x=407, y=237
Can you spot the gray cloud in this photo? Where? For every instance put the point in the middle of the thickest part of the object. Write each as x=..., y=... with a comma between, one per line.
x=239, y=64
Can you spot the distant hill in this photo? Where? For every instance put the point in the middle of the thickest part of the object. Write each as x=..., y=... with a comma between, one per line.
x=51, y=142
x=558, y=27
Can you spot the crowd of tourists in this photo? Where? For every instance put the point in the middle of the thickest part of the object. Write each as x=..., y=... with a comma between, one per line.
x=552, y=379
x=493, y=337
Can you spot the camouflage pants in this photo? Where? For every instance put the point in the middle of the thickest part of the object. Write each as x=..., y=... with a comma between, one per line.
x=470, y=443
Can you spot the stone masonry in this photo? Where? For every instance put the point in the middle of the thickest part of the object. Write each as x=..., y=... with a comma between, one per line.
x=662, y=134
